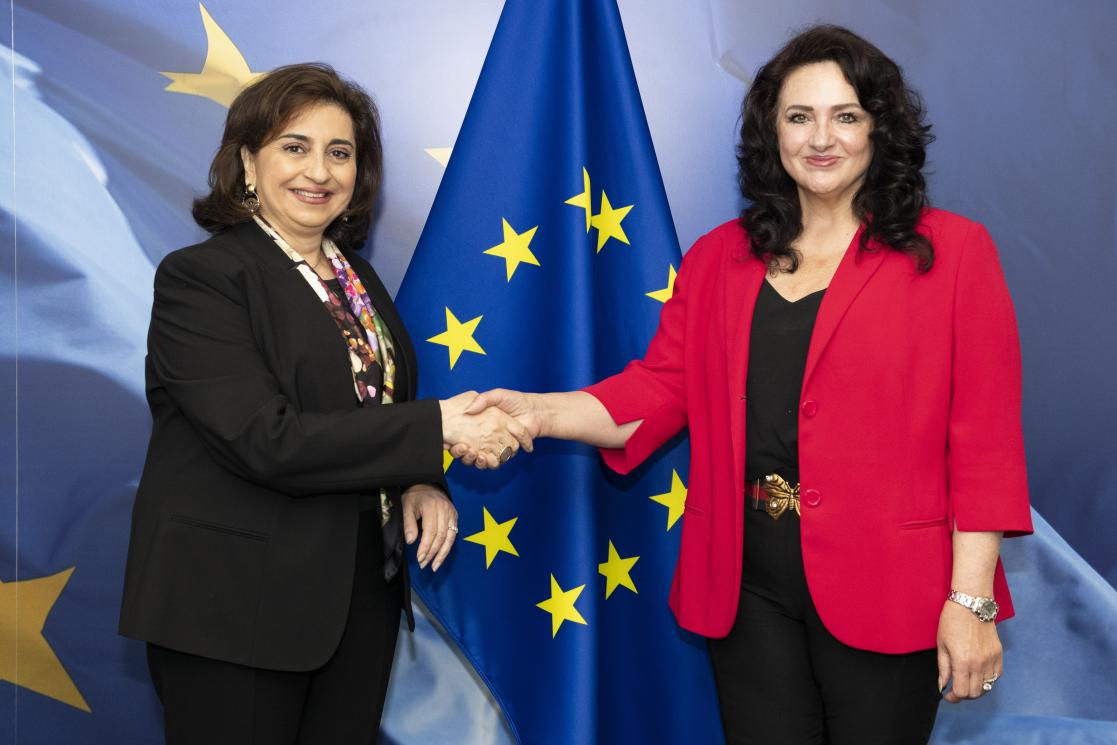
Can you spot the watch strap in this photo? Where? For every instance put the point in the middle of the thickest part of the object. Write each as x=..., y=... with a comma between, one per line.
x=975, y=604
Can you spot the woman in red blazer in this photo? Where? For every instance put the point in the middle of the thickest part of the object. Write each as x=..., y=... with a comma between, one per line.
x=846, y=359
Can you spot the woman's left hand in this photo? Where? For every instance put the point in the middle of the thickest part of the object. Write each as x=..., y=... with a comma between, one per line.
x=970, y=653
x=429, y=506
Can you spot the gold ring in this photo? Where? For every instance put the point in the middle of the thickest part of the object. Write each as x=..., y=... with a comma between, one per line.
x=505, y=454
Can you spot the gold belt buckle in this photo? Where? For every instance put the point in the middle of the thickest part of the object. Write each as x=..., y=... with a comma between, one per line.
x=781, y=496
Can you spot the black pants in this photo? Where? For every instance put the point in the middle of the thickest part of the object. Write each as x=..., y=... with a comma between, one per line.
x=209, y=702
x=782, y=679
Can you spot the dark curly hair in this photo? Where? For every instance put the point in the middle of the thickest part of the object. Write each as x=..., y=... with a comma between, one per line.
x=260, y=112
x=894, y=193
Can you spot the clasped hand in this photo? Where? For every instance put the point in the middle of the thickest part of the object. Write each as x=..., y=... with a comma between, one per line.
x=486, y=430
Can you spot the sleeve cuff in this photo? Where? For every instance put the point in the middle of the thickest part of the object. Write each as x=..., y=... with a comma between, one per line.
x=659, y=425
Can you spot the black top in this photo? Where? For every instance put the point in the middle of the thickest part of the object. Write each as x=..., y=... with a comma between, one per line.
x=780, y=338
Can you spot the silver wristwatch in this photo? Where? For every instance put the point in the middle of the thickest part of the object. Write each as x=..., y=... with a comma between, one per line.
x=984, y=608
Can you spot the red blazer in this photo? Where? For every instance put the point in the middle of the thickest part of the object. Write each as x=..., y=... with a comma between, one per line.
x=909, y=424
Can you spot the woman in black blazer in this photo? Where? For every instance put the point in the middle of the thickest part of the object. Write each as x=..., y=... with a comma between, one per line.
x=288, y=460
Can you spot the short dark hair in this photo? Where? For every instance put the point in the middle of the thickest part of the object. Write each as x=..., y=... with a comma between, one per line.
x=894, y=194
x=258, y=115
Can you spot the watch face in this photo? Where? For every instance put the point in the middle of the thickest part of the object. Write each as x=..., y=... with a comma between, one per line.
x=985, y=608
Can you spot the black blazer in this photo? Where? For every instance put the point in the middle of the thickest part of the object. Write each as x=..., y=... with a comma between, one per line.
x=244, y=530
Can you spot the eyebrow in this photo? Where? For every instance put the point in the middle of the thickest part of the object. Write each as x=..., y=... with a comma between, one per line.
x=304, y=138
x=837, y=106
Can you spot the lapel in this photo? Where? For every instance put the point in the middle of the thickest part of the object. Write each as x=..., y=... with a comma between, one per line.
x=853, y=272
x=305, y=318
x=741, y=286
x=264, y=249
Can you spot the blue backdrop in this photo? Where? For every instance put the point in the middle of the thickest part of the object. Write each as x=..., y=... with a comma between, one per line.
x=100, y=163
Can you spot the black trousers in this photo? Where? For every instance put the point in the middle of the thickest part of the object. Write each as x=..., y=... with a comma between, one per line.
x=210, y=702
x=783, y=679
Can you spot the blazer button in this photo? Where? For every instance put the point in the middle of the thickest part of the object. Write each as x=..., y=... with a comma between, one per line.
x=810, y=408
x=812, y=497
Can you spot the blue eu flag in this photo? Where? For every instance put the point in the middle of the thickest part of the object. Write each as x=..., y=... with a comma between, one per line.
x=544, y=264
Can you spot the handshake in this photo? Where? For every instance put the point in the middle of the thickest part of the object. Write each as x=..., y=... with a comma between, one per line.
x=485, y=430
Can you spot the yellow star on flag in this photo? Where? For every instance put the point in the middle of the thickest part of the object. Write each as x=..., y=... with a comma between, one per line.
x=673, y=500
x=26, y=659
x=224, y=73
x=447, y=460
x=516, y=248
x=665, y=294
x=458, y=337
x=494, y=537
x=583, y=200
x=616, y=571
x=561, y=606
x=608, y=222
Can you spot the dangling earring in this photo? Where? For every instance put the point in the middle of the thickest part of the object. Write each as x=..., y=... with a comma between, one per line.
x=250, y=201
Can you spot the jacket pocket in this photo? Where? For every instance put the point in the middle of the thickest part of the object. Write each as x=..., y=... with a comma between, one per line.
x=932, y=522
x=194, y=522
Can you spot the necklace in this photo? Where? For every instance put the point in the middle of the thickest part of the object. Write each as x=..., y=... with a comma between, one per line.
x=317, y=263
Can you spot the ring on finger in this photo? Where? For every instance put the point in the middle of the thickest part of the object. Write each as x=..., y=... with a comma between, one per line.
x=452, y=528
x=987, y=684
x=505, y=454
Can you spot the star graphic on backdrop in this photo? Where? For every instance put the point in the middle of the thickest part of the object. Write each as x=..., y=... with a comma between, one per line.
x=224, y=73
x=561, y=606
x=494, y=537
x=458, y=337
x=665, y=294
x=583, y=200
x=608, y=222
x=515, y=249
x=673, y=500
x=616, y=571
x=441, y=154
x=26, y=658
x=447, y=460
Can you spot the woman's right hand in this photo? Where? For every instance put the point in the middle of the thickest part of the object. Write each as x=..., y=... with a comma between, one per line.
x=481, y=436
x=574, y=415
x=516, y=404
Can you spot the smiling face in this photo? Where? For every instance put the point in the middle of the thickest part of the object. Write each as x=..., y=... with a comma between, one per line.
x=823, y=133
x=305, y=176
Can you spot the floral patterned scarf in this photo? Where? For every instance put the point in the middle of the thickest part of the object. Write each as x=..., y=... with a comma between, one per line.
x=371, y=352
